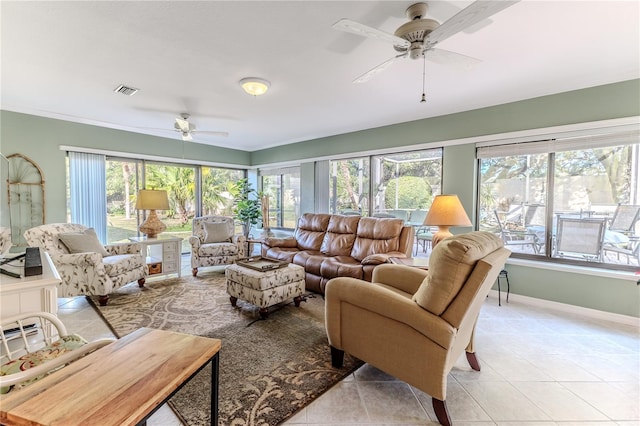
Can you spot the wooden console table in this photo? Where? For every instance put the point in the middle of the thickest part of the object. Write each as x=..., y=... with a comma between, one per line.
x=123, y=383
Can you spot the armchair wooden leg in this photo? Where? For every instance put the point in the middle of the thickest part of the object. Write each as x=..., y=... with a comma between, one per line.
x=473, y=360
x=194, y=271
x=141, y=282
x=102, y=300
x=337, y=357
x=440, y=408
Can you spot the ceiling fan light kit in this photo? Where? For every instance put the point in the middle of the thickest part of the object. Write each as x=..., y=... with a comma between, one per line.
x=255, y=86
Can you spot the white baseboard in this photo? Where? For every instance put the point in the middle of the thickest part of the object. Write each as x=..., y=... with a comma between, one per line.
x=563, y=307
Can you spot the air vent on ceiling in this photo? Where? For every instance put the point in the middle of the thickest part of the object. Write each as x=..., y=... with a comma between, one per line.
x=125, y=90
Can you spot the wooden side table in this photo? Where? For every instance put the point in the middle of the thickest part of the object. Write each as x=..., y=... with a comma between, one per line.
x=415, y=262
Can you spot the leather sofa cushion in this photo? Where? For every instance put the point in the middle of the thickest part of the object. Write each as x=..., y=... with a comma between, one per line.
x=310, y=231
x=376, y=235
x=450, y=264
x=340, y=266
x=340, y=236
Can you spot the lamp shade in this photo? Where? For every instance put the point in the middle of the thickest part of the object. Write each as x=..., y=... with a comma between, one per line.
x=152, y=199
x=447, y=210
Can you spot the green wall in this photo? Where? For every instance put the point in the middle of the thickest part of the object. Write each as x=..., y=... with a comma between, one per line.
x=39, y=138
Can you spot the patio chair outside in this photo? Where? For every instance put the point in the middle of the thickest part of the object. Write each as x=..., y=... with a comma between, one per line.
x=625, y=218
x=580, y=238
x=513, y=232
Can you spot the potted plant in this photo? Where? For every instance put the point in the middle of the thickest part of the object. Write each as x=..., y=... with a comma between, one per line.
x=247, y=211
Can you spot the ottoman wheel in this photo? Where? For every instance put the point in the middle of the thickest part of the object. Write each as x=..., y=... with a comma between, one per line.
x=297, y=300
x=264, y=313
x=233, y=301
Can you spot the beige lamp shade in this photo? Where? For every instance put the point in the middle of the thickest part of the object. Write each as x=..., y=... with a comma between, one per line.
x=446, y=211
x=152, y=200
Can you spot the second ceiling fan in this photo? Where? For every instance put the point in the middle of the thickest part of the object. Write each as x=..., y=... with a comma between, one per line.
x=420, y=35
x=187, y=129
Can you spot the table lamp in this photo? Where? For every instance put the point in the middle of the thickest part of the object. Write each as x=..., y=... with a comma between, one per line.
x=446, y=211
x=152, y=200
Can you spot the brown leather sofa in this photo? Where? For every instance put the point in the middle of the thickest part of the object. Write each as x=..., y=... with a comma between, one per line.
x=330, y=246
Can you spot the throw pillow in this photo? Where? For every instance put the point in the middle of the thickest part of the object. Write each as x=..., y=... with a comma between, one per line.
x=82, y=242
x=217, y=232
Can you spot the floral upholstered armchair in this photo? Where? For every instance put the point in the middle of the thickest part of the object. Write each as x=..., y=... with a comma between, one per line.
x=84, y=264
x=214, y=242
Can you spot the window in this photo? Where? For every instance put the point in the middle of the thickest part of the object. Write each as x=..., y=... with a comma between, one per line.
x=283, y=188
x=394, y=185
x=405, y=184
x=557, y=199
x=192, y=190
x=349, y=186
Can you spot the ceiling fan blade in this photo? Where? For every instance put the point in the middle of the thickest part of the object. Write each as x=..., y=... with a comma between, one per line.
x=183, y=125
x=354, y=27
x=213, y=133
x=472, y=14
x=447, y=57
x=378, y=69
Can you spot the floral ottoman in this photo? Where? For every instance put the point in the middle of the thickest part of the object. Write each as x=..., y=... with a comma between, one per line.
x=265, y=288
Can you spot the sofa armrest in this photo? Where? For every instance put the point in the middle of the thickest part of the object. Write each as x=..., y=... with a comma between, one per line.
x=402, y=277
x=384, y=302
x=123, y=248
x=281, y=242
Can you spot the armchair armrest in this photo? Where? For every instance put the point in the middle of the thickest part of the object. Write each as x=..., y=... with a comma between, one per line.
x=402, y=277
x=238, y=239
x=123, y=248
x=195, y=242
x=384, y=302
x=78, y=259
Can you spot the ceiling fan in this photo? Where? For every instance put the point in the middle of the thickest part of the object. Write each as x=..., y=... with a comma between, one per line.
x=187, y=129
x=420, y=35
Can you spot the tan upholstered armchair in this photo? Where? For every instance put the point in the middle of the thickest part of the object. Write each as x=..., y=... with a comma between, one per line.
x=414, y=324
x=88, y=267
x=214, y=242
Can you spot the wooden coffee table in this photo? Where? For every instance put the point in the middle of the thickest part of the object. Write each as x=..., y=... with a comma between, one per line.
x=123, y=383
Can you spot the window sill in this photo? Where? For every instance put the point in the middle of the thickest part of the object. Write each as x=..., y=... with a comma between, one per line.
x=584, y=270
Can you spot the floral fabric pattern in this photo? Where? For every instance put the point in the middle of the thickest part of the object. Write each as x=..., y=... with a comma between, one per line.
x=264, y=289
x=88, y=273
x=33, y=359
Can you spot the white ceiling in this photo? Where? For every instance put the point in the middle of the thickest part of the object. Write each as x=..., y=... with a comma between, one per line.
x=64, y=59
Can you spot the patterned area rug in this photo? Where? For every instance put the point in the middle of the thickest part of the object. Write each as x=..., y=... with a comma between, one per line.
x=269, y=369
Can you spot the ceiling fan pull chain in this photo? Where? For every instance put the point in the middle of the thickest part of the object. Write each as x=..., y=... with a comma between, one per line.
x=424, y=76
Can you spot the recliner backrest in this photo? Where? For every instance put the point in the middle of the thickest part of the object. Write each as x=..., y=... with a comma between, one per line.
x=450, y=265
x=311, y=230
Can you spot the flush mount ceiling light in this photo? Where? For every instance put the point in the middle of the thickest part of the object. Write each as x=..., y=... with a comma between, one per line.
x=255, y=86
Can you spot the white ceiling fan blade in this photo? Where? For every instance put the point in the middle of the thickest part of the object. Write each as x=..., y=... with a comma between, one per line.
x=472, y=14
x=183, y=125
x=213, y=133
x=378, y=69
x=447, y=57
x=364, y=30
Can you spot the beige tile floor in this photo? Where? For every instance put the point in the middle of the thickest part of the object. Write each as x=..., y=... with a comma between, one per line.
x=539, y=367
